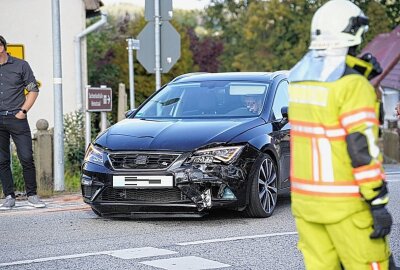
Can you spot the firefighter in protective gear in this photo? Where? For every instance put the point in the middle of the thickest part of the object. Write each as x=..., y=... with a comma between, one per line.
x=339, y=194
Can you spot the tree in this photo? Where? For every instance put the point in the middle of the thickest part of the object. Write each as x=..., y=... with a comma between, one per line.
x=378, y=21
x=241, y=35
x=276, y=34
x=271, y=35
x=223, y=19
x=205, y=51
x=391, y=14
x=108, y=56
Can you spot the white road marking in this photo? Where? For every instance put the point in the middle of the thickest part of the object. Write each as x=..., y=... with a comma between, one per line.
x=136, y=253
x=185, y=263
x=73, y=256
x=393, y=180
x=392, y=176
x=234, y=238
x=124, y=254
x=393, y=173
x=144, y=252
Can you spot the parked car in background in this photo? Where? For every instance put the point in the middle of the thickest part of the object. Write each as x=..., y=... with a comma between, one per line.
x=202, y=141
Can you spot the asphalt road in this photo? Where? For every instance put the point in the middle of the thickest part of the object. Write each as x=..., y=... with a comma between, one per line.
x=72, y=237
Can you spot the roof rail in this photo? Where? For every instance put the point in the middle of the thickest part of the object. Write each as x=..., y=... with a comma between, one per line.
x=187, y=75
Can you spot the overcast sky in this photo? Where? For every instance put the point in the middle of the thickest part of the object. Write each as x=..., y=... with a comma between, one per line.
x=181, y=4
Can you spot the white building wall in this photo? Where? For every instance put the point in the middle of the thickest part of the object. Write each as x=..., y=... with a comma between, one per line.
x=29, y=22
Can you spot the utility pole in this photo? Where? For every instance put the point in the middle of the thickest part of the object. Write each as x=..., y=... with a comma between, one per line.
x=157, y=43
x=133, y=44
x=58, y=100
x=103, y=116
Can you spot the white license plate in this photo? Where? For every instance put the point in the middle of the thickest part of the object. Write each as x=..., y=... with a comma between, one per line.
x=140, y=181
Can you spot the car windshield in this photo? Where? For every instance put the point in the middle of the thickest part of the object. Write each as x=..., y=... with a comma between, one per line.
x=206, y=99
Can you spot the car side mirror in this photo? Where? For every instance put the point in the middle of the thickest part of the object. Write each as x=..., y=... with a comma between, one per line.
x=129, y=113
x=285, y=118
x=284, y=112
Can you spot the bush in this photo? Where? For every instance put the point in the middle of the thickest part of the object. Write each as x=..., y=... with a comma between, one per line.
x=74, y=139
x=74, y=149
x=72, y=181
x=18, y=177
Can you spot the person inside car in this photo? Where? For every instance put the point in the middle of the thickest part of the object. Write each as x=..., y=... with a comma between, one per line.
x=253, y=104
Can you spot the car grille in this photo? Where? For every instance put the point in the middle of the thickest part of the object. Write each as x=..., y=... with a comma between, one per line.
x=147, y=195
x=141, y=161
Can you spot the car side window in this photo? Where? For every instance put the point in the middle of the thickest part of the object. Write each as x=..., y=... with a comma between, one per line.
x=281, y=99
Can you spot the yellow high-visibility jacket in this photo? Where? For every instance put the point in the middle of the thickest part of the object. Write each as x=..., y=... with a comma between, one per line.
x=325, y=187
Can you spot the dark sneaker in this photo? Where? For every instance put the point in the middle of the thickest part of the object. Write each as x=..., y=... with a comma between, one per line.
x=8, y=203
x=35, y=202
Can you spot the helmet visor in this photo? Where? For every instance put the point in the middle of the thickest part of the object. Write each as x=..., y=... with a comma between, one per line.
x=356, y=23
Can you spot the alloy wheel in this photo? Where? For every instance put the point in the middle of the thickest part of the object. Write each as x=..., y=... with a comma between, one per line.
x=267, y=186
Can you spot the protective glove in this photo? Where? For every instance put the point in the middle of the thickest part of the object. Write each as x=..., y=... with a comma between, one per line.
x=377, y=69
x=382, y=222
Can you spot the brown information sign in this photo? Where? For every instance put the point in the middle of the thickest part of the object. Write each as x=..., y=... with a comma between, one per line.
x=98, y=99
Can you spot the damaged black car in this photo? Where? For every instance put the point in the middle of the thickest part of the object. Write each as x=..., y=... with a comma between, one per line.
x=203, y=141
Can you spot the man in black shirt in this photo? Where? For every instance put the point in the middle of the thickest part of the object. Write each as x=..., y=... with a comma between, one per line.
x=16, y=76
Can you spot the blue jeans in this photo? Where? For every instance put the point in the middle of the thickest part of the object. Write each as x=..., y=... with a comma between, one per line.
x=19, y=131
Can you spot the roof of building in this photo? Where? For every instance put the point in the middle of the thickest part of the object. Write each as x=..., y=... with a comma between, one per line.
x=92, y=7
x=385, y=47
x=92, y=4
x=392, y=80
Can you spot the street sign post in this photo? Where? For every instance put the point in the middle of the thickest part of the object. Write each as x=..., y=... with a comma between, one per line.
x=98, y=99
x=165, y=10
x=170, y=47
x=133, y=44
x=161, y=42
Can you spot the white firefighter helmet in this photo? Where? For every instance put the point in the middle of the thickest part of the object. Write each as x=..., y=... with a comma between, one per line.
x=337, y=24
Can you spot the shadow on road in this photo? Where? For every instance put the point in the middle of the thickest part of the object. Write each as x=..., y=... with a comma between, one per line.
x=216, y=215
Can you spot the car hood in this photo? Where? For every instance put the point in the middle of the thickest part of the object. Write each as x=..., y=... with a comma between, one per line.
x=173, y=135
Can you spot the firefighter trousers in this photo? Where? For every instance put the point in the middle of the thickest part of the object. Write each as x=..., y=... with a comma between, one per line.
x=345, y=243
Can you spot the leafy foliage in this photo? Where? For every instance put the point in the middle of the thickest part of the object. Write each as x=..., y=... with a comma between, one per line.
x=378, y=22
x=108, y=56
x=205, y=51
x=272, y=35
x=279, y=38
x=238, y=35
x=74, y=140
x=16, y=169
x=225, y=19
x=391, y=8
x=74, y=149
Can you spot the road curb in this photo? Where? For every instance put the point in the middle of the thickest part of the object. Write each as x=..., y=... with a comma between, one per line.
x=57, y=203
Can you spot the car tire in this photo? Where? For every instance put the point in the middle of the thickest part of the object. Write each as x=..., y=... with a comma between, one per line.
x=264, y=188
x=96, y=212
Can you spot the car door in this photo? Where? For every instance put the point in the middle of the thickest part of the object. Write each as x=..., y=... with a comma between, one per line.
x=281, y=133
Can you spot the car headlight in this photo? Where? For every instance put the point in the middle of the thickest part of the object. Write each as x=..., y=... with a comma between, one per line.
x=94, y=154
x=217, y=154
